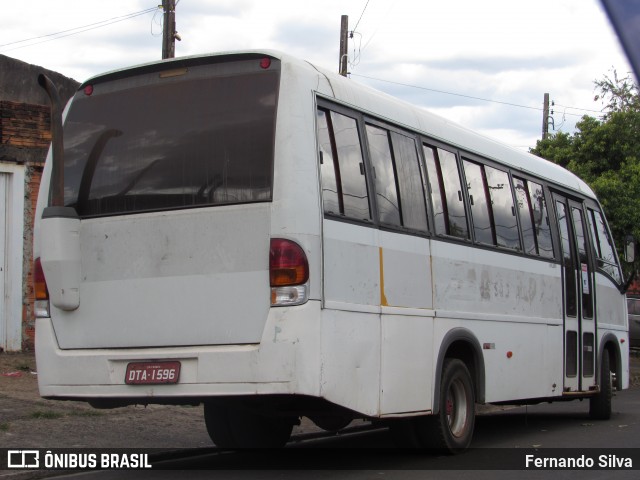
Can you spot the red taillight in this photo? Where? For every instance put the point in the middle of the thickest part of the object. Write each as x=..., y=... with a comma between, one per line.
x=265, y=63
x=88, y=90
x=288, y=263
x=39, y=282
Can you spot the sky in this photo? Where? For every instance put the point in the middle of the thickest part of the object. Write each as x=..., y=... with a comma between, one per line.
x=483, y=64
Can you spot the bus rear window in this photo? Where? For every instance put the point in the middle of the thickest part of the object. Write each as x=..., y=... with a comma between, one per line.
x=148, y=143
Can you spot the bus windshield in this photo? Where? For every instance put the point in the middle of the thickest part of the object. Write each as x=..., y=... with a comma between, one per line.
x=197, y=136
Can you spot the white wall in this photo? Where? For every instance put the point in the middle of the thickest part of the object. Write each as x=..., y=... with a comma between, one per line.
x=12, y=192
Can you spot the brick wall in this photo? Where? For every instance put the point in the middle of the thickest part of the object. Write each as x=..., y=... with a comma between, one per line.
x=33, y=175
x=24, y=126
x=25, y=133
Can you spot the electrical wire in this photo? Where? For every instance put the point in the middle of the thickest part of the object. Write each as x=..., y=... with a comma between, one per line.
x=361, y=15
x=156, y=22
x=510, y=104
x=356, y=49
x=76, y=30
x=582, y=109
x=449, y=93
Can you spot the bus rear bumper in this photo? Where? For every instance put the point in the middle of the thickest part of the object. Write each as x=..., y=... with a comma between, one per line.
x=280, y=364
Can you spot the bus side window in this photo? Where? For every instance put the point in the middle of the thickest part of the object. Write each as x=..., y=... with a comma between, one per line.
x=536, y=232
x=446, y=192
x=541, y=220
x=346, y=180
x=478, y=199
x=385, y=176
x=526, y=216
x=504, y=213
x=410, y=182
x=330, y=194
x=352, y=173
x=603, y=245
x=398, y=179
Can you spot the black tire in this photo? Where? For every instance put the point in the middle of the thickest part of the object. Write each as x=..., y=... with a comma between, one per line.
x=451, y=429
x=216, y=419
x=237, y=426
x=404, y=433
x=331, y=423
x=600, y=405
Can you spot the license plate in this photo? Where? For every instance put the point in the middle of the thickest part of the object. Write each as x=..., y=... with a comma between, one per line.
x=152, y=373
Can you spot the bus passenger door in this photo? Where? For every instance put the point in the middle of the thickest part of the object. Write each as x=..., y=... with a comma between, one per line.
x=579, y=321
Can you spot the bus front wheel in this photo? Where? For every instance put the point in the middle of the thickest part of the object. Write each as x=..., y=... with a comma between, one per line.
x=600, y=405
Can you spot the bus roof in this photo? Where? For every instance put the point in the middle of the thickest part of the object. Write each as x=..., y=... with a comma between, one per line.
x=387, y=107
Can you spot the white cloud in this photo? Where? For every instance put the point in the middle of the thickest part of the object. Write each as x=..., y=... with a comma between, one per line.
x=496, y=49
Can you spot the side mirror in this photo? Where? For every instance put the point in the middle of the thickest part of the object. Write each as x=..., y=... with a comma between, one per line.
x=629, y=249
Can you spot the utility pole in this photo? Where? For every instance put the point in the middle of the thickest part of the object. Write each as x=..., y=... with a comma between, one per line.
x=169, y=33
x=344, y=27
x=545, y=117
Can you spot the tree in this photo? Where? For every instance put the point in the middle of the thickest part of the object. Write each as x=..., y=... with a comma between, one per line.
x=605, y=153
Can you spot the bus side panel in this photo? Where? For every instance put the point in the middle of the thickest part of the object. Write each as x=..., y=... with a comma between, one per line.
x=350, y=360
x=351, y=267
x=610, y=309
x=406, y=271
x=525, y=363
x=484, y=281
x=611, y=316
x=405, y=377
x=407, y=324
x=513, y=308
x=521, y=360
x=371, y=272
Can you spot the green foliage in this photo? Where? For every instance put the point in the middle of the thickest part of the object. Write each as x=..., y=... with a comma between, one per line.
x=620, y=94
x=605, y=153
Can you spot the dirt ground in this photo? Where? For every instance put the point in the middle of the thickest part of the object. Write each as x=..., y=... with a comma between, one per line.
x=28, y=421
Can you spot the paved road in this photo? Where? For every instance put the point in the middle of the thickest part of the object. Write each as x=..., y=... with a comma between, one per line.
x=502, y=440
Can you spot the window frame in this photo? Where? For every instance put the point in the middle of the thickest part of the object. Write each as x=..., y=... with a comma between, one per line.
x=365, y=118
x=391, y=129
x=592, y=207
x=430, y=143
x=358, y=118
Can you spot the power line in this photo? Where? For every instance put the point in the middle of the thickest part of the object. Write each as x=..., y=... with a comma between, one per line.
x=77, y=30
x=577, y=108
x=510, y=104
x=449, y=93
x=363, y=10
x=356, y=57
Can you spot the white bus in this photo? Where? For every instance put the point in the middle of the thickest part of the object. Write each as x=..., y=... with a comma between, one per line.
x=254, y=233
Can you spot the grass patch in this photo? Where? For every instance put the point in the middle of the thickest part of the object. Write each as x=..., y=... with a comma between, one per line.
x=49, y=415
x=4, y=427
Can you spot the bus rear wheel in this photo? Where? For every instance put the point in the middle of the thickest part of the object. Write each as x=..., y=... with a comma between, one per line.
x=234, y=425
x=451, y=429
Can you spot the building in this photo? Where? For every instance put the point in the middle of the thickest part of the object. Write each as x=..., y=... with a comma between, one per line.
x=24, y=141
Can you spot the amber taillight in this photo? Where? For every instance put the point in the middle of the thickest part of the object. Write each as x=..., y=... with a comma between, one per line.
x=41, y=292
x=288, y=273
